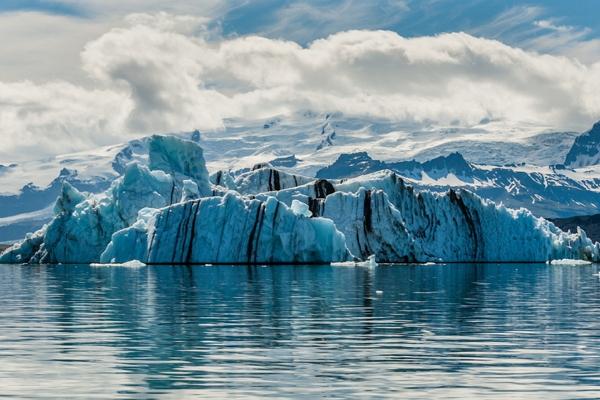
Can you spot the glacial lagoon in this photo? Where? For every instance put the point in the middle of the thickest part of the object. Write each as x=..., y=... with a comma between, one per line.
x=486, y=331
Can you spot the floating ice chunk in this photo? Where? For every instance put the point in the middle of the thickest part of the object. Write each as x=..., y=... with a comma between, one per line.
x=566, y=261
x=129, y=264
x=84, y=225
x=370, y=262
x=343, y=264
x=300, y=208
x=374, y=215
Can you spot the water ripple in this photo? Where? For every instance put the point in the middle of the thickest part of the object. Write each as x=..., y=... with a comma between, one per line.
x=453, y=332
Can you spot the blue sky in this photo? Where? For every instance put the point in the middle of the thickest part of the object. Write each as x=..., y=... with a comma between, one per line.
x=304, y=21
x=416, y=18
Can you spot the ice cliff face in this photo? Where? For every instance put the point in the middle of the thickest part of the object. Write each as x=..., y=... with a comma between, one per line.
x=171, y=212
x=229, y=229
x=181, y=159
x=380, y=214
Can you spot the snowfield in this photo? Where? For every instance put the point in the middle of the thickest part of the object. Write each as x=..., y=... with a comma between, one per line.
x=166, y=209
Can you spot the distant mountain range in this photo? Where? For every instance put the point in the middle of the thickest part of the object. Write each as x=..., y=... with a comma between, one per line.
x=554, y=174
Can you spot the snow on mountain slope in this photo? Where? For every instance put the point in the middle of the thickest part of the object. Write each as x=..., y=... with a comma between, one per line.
x=586, y=149
x=317, y=139
x=550, y=192
x=15, y=227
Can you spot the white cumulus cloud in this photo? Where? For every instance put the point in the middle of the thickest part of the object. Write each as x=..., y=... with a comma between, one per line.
x=164, y=73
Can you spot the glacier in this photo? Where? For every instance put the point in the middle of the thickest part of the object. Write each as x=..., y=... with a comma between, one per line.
x=166, y=209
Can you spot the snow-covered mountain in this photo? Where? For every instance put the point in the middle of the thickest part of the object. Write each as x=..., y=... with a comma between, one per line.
x=305, y=144
x=586, y=149
x=315, y=140
x=168, y=211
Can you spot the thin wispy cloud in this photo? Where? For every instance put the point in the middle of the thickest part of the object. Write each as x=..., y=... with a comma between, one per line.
x=303, y=22
x=529, y=27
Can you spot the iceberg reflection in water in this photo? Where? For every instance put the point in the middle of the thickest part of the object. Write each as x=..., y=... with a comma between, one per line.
x=454, y=331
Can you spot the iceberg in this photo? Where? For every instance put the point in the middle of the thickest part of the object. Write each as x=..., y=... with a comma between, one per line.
x=369, y=262
x=128, y=264
x=80, y=232
x=380, y=214
x=566, y=261
x=171, y=212
x=83, y=225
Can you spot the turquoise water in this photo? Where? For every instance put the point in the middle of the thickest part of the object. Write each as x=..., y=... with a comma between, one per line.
x=453, y=331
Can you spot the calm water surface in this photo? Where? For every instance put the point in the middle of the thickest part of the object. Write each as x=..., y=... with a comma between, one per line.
x=454, y=331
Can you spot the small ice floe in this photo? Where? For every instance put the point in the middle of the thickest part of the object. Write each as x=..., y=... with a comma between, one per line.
x=370, y=262
x=343, y=264
x=129, y=264
x=567, y=261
